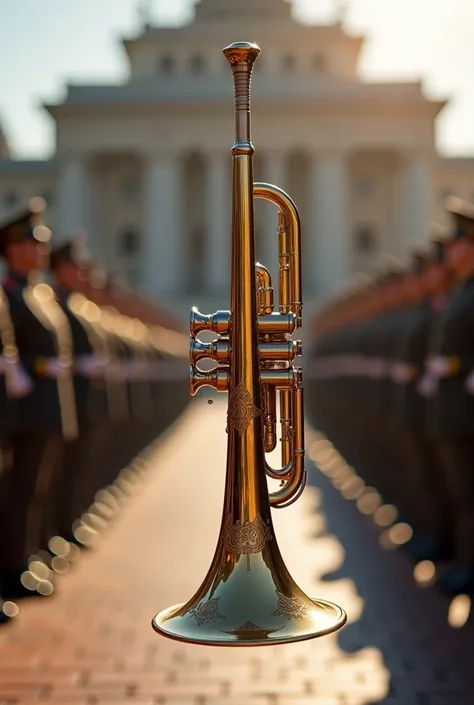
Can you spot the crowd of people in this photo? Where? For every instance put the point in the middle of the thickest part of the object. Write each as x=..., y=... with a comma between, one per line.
x=392, y=386
x=90, y=374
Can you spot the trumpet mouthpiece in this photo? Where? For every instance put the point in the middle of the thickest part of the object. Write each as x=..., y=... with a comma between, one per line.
x=242, y=52
x=241, y=57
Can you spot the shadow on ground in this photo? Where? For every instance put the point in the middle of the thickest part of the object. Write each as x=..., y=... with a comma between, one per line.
x=429, y=661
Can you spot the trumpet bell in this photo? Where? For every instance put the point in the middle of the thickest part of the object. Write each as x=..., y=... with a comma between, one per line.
x=249, y=600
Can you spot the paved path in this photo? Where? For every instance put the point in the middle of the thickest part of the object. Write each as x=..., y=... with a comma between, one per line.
x=92, y=643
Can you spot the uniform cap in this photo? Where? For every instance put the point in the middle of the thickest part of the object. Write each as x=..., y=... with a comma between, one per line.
x=462, y=214
x=25, y=225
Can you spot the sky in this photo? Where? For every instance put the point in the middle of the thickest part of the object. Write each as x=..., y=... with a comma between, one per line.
x=47, y=44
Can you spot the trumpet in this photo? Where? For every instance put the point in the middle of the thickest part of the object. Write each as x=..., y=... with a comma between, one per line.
x=248, y=597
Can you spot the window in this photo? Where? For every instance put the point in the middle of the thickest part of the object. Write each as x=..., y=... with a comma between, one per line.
x=365, y=188
x=10, y=199
x=365, y=239
x=166, y=64
x=197, y=63
x=130, y=189
x=319, y=62
x=289, y=63
x=129, y=242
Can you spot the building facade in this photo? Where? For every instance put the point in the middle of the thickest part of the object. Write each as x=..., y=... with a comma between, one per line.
x=145, y=167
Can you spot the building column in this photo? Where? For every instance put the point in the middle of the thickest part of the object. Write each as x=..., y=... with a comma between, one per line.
x=327, y=265
x=218, y=227
x=74, y=196
x=275, y=174
x=163, y=252
x=414, y=201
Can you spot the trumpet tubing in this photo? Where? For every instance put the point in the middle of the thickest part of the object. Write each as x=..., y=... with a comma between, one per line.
x=248, y=597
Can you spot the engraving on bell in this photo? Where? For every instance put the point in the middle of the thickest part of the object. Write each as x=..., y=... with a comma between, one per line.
x=207, y=611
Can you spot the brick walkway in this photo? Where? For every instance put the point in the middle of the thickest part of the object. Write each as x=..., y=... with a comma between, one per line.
x=92, y=643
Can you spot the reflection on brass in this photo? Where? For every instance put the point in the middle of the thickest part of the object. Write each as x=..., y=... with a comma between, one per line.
x=290, y=607
x=249, y=630
x=241, y=409
x=254, y=362
x=207, y=611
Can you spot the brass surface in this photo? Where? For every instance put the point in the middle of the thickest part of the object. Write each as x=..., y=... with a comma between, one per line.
x=248, y=597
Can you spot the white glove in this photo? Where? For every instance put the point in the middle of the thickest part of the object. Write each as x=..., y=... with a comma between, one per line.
x=55, y=368
x=427, y=387
x=400, y=373
x=376, y=368
x=91, y=366
x=469, y=383
x=115, y=370
x=360, y=365
x=437, y=365
x=18, y=382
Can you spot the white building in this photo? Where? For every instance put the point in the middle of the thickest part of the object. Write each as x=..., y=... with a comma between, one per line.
x=145, y=166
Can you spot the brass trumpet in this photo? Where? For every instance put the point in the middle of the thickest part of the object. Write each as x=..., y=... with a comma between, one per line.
x=248, y=597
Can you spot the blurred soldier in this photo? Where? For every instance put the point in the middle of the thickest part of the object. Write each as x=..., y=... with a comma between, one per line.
x=14, y=384
x=14, y=381
x=383, y=315
x=47, y=413
x=448, y=379
x=107, y=437
x=68, y=266
x=134, y=321
x=424, y=492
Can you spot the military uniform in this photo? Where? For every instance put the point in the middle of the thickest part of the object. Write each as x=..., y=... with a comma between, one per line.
x=45, y=417
x=424, y=491
x=45, y=414
x=379, y=425
x=105, y=399
x=13, y=384
x=90, y=395
x=450, y=412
